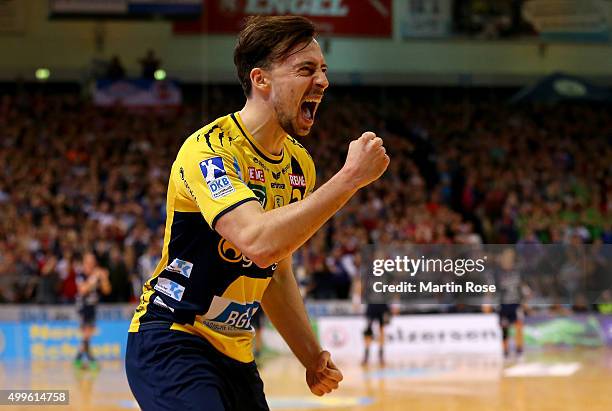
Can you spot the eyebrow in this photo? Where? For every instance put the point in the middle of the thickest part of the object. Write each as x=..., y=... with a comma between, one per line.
x=309, y=63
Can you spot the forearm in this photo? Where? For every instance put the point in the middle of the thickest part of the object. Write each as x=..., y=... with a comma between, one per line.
x=283, y=305
x=82, y=289
x=106, y=287
x=279, y=232
x=268, y=237
x=86, y=286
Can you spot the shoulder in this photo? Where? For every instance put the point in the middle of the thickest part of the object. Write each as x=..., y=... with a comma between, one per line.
x=215, y=138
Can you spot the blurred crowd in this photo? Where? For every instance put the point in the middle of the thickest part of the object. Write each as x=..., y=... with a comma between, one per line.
x=464, y=170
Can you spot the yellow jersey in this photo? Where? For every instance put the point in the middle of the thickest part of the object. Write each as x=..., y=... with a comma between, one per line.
x=203, y=284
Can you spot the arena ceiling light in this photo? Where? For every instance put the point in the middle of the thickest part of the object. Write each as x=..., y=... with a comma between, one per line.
x=160, y=74
x=42, y=74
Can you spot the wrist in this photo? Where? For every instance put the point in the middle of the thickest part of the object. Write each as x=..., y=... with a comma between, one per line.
x=347, y=178
x=310, y=355
x=313, y=361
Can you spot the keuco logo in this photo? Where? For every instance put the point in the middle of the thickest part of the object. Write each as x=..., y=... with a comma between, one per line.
x=230, y=253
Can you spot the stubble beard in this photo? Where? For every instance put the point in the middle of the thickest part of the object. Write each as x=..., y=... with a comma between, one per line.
x=286, y=122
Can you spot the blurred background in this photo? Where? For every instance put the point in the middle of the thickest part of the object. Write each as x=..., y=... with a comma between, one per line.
x=496, y=114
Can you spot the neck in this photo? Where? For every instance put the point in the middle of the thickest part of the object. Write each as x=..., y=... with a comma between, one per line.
x=263, y=125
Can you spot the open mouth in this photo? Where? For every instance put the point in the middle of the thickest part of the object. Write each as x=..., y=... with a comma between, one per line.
x=309, y=108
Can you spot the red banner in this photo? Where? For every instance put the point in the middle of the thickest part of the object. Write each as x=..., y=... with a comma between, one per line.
x=371, y=18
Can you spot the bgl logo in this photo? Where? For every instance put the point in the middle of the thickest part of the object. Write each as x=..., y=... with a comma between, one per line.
x=241, y=320
x=231, y=313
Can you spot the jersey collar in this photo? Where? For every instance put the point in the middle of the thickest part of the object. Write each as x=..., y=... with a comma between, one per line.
x=262, y=152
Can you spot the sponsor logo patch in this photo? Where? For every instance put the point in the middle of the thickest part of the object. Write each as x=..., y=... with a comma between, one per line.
x=214, y=173
x=189, y=190
x=170, y=288
x=231, y=313
x=158, y=301
x=257, y=174
x=182, y=267
x=297, y=180
x=278, y=201
x=260, y=163
x=260, y=193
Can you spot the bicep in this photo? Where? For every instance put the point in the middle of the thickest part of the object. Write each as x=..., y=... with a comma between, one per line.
x=237, y=225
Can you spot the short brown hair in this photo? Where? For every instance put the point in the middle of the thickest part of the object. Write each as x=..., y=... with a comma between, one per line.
x=268, y=39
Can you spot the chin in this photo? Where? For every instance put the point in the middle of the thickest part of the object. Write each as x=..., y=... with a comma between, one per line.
x=302, y=133
x=298, y=131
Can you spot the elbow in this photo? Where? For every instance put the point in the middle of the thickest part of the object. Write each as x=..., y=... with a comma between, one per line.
x=262, y=261
x=251, y=240
x=261, y=251
x=263, y=256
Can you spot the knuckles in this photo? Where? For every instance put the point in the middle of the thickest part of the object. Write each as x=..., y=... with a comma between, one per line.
x=368, y=135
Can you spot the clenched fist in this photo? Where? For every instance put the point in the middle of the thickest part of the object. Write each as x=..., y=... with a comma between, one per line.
x=366, y=160
x=324, y=376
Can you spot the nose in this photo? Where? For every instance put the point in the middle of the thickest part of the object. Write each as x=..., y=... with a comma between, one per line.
x=321, y=80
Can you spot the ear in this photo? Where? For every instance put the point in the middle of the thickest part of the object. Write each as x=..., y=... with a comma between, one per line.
x=259, y=79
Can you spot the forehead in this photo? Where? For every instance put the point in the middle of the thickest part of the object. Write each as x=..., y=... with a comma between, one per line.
x=300, y=54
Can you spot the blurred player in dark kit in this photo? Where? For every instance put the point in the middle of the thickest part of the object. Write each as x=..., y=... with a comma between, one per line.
x=91, y=281
x=381, y=314
x=511, y=291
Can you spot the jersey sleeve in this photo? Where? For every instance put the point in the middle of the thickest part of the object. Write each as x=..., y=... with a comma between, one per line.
x=212, y=177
